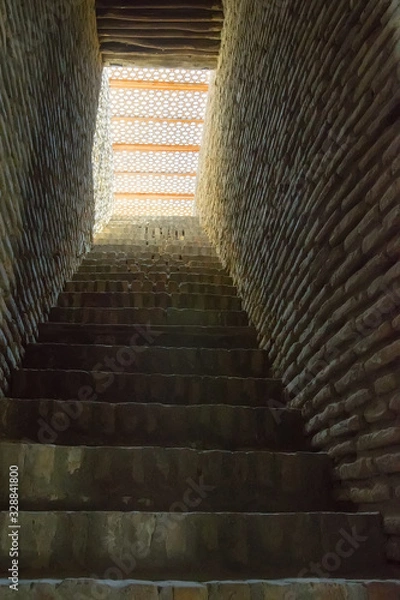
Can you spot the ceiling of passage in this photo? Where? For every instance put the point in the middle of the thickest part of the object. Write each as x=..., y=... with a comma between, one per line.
x=157, y=125
x=160, y=33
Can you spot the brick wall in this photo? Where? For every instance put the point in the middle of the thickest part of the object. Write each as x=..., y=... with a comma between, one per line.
x=102, y=157
x=299, y=189
x=49, y=80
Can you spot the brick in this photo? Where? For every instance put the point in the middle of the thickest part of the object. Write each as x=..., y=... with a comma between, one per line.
x=193, y=592
x=372, y=492
x=394, y=403
x=388, y=463
x=338, y=451
x=43, y=239
x=354, y=375
x=363, y=468
x=346, y=426
x=379, y=439
x=357, y=399
x=386, y=383
x=377, y=411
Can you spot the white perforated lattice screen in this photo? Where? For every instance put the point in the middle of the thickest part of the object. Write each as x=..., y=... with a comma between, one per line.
x=157, y=131
x=155, y=162
x=157, y=126
x=153, y=184
x=163, y=104
x=127, y=208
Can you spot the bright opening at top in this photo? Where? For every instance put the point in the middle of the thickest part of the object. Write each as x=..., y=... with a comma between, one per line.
x=157, y=120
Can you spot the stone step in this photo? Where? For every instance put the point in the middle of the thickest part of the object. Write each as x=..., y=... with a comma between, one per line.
x=151, y=259
x=178, y=276
x=149, y=286
x=134, y=238
x=134, y=334
x=207, y=288
x=109, y=286
x=164, y=234
x=150, y=265
x=165, y=224
x=185, y=277
x=108, y=244
x=151, y=268
x=150, y=256
x=151, y=316
x=107, y=386
x=149, y=359
x=196, y=245
x=139, y=264
x=203, y=426
x=193, y=546
x=129, y=589
x=154, y=479
x=162, y=223
x=168, y=229
x=129, y=276
x=149, y=300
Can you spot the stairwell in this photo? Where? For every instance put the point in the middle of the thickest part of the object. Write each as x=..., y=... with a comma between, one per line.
x=154, y=448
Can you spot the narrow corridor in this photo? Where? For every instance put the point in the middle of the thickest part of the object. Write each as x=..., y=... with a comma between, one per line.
x=165, y=452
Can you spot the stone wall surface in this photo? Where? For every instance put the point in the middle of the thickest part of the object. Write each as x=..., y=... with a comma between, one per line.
x=49, y=82
x=299, y=189
x=103, y=159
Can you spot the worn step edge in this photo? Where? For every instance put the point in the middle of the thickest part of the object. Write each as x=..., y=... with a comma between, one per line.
x=114, y=478
x=154, y=276
x=201, y=426
x=283, y=589
x=152, y=316
x=155, y=387
x=171, y=336
x=151, y=299
x=152, y=358
x=201, y=546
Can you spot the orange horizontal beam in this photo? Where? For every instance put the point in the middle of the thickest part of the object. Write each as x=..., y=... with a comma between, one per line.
x=153, y=148
x=125, y=84
x=128, y=196
x=156, y=120
x=168, y=175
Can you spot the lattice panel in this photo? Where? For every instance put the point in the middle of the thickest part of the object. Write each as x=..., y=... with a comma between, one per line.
x=153, y=207
x=126, y=131
x=166, y=104
x=150, y=109
x=150, y=184
x=156, y=162
x=167, y=75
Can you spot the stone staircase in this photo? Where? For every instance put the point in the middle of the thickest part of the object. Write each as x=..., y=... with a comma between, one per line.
x=153, y=446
